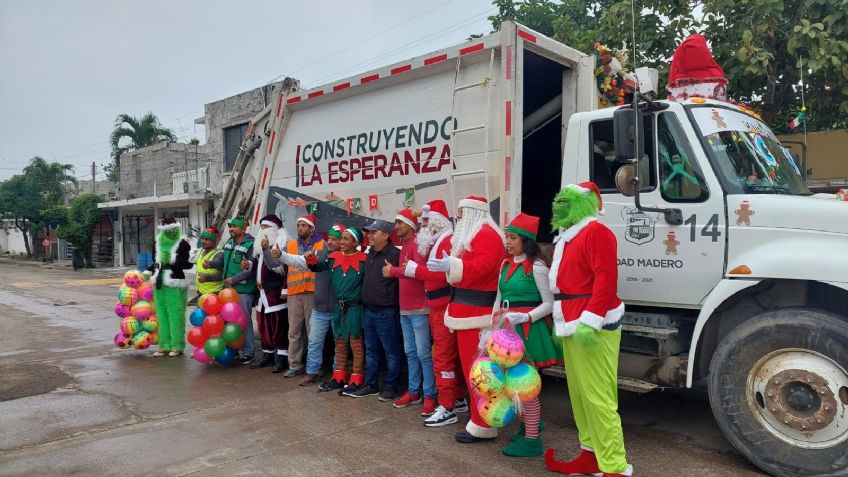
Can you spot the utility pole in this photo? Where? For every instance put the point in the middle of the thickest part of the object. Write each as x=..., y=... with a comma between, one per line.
x=93, y=172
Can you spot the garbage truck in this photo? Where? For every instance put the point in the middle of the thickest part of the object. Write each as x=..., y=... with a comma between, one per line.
x=734, y=276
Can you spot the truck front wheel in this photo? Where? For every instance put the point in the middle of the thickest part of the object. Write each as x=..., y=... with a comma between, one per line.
x=778, y=389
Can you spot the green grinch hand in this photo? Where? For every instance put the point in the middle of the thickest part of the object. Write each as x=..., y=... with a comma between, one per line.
x=586, y=336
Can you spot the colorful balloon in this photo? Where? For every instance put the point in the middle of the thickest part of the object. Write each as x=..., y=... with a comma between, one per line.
x=522, y=382
x=242, y=322
x=142, y=310
x=145, y=291
x=133, y=279
x=123, y=341
x=200, y=356
x=196, y=317
x=486, y=377
x=141, y=340
x=228, y=295
x=197, y=337
x=214, y=325
x=227, y=357
x=237, y=344
x=212, y=304
x=230, y=312
x=122, y=310
x=231, y=332
x=150, y=325
x=215, y=346
x=127, y=296
x=130, y=326
x=497, y=412
x=154, y=338
x=505, y=347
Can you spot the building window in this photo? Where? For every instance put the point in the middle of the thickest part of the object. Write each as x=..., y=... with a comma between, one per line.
x=233, y=136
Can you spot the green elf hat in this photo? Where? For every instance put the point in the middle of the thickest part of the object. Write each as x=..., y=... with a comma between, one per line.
x=355, y=232
x=524, y=225
x=239, y=222
x=336, y=231
x=211, y=234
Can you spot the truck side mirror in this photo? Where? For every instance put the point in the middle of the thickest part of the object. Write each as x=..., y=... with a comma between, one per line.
x=625, y=180
x=626, y=126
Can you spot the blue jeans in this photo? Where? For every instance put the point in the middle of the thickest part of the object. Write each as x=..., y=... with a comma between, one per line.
x=319, y=324
x=419, y=358
x=381, y=335
x=246, y=302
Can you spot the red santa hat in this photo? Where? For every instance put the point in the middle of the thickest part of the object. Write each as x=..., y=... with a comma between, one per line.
x=525, y=225
x=308, y=219
x=271, y=220
x=407, y=216
x=587, y=187
x=474, y=202
x=436, y=208
x=694, y=72
x=167, y=223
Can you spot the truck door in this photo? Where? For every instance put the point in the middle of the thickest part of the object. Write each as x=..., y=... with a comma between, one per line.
x=659, y=263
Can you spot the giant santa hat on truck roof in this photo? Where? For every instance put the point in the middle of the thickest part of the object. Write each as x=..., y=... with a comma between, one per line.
x=694, y=72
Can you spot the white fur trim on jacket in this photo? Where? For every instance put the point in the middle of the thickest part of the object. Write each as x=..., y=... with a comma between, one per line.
x=167, y=280
x=563, y=328
x=455, y=270
x=467, y=323
x=409, y=270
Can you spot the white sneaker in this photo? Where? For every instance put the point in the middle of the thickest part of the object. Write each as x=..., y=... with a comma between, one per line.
x=442, y=417
x=461, y=405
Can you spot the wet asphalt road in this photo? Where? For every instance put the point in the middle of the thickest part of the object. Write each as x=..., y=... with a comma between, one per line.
x=73, y=404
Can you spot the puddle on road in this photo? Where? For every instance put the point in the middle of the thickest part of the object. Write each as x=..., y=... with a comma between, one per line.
x=29, y=379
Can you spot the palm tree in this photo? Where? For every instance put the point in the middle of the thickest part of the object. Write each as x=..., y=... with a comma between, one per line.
x=140, y=132
x=49, y=178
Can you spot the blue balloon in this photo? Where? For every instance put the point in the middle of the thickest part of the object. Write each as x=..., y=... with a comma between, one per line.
x=227, y=357
x=197, y=316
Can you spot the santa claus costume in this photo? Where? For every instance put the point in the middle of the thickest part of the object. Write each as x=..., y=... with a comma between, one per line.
x=171, y=260
x=271, y=307
x=587, y=314
x=694, y=72
x=477, y=250
x=434, y=240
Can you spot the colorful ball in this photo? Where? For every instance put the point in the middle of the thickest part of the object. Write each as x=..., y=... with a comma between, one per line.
x=227, y=357
x=127, y=296
x=122, y=310
x=486, y=377
x=231, y=312
x=154, y=338
x=145, y=292
x=200, y=356
x=150, y=324
x=522, y=382
x=214, y=325
x=497, y=412
x=196, y=317
x=215, y=347
x=130, y=326
x=231, y=333
x=228, y=295
x=142, y=310
x=133, y=279
x=237, y=344
x=212, y=304
x=142, y=340
x=505, y=347
x=123, y=341
x=197, y=336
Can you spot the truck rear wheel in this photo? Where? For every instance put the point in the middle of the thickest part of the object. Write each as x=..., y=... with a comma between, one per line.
x=779, y=391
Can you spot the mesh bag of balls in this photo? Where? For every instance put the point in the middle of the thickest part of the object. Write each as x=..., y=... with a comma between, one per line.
x=501, y=376
x=218, y=327
x=138, y=324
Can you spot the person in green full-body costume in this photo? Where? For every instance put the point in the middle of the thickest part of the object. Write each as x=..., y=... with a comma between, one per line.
x=170, y=286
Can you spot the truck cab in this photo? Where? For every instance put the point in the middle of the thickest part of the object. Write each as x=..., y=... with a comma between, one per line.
x=733, y=274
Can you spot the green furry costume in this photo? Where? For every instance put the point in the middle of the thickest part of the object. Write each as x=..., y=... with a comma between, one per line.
x=587, y=314
x=171, y=260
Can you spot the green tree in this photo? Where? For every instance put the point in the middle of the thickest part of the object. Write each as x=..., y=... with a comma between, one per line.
x=132, y=133
x=77, y=222
x=28, y=199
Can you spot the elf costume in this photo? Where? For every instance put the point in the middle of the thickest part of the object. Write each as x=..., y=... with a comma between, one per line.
x=525, y=296
x=171, y=260
x=347, y=274
x=587, y=314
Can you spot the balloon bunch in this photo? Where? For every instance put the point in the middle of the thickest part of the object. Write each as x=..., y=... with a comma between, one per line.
x=138, y=316
x=502, y=379
x=218, y=325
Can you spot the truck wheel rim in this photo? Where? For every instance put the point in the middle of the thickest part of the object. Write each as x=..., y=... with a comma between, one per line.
x=801, y=397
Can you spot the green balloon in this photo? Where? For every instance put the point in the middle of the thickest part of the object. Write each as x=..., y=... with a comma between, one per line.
x=231, y=333
x=215, y=347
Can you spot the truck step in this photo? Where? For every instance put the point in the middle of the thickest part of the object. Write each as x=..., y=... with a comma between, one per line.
x=627, y=384
x=650, y=331
x=656, y=320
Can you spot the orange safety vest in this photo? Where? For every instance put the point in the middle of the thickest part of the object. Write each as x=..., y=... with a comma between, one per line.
x=301, y=280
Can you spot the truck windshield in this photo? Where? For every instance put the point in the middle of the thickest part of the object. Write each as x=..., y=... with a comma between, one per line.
x=748, y=156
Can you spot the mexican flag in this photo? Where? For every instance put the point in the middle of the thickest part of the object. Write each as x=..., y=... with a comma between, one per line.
x=797, y=121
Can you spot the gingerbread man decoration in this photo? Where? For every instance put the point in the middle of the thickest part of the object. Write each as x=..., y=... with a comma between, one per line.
x=671, y=243
x=744, y=213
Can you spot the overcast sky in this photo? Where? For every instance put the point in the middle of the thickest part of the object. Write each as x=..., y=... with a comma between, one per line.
x=70, y=67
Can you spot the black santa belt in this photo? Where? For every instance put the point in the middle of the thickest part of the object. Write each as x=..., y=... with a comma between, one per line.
x=467, y=296
x=440, y=293
x=568, y=296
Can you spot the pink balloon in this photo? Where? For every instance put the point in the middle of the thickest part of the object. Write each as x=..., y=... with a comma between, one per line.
x=242, y=321
x=230, y=312
x=200, y=356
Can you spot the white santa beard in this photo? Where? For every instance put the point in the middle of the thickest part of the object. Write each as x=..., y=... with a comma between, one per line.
x=468, y=226
x=427, y=236
x=270, y=233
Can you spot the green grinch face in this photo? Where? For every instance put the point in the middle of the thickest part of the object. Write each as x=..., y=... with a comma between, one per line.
x=172, y=233
x=571, y=206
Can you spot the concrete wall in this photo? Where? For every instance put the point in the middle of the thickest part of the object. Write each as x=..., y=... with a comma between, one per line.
x=11, y=239
x=149, y=171
x=108, y=190
x=827, y=153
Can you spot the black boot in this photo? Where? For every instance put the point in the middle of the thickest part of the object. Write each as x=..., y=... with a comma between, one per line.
x=281, y=362
x=267, y=360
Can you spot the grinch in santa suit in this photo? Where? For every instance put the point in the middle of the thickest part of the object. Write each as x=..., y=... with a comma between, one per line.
x=171, y=260
x=477, y=251
x=587, y=314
